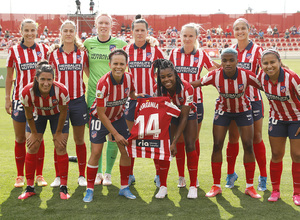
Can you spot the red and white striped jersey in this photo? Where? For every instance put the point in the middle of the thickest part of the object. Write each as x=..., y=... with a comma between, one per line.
x=250, y=59
x=140, y=66
x=24, y=60
x=283, y=95
x=189, y=67
x=45, y=106
x=69, y=70
x=232, y=90
x=150, y=133
x=184, y=95
x=112, y=95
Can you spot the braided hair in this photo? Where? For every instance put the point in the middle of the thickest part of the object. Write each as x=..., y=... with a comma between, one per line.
x=161, y=64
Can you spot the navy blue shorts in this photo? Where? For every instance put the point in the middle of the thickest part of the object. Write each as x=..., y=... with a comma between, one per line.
x=98, y=131
x=41, y=123
x=78, y=113
x=283, y=128
x=224, y=118
x=130, y=109
x=257, y=110
x=200, y=112
x=175, y=121
x=18, y=112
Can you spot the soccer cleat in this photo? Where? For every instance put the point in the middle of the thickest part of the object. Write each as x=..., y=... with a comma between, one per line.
x=28, y=192
x=99, y=179
x=262, y=183
x=126, y=192
x=64, y=192
x=251, y=192
x=231, y=178
x=56, y=182
x=192, y=193
x=163, y=191
x=20, y=181
x=275, y=195
x=157, y=181
x=107, y=179
x=131, y=179
x=181, y=182
x=215, y=190
x=82, y=181
x=89, y=195
x=296, y=199
x=40, y=181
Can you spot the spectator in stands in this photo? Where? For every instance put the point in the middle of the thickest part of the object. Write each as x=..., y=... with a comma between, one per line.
x=3, y=42
x=287, y=34
x=228, y=31
x=83, y=35
x=293, y=30
x=213, y=31
x=269, y=30
x=94, y=31
x=161, y=39
x=174, y=29
x=46, y=31
x=123, y=28
x=275, y=31
x=253, y=31
x=150, y=30
x=42, y=38
x=168, y=31
x=298, y=30
x=208, y=34
x=128, y=29
x=261, y=34
x=92, y=4
x=0, y=30
x=173, y=37
x=219, y=30
x=6, y=34
x=273, y=46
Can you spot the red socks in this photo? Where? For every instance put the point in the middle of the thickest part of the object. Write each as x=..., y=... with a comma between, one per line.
x=63, y=167
x=124, y=173
x=180, y=158
x=81, y=158
x=40, y=159
x=296, y=177
x=216, y=171
x=164, y=166
x=275, y=174
x=30, y=165
x=91, y=172
x=232, y=151
x=20, y=153
x=250, y=169
x=56, y=164
x=192, y=164
x=260, y=156
x=156, y=163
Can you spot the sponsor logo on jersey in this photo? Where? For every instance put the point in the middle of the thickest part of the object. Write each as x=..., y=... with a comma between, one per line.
x=39, y=54
x=55, y=101
x=148, y=143
x=232, y=95
x=79, y=57
x=149, y=55
x=248, y=56
x=246, y=66
x=189, y=99
x=27, y=66
x=96, y=56
x=283, y=89
x=116, y=103
x=241, y=87
x=112, y=47
x=139, y=64
x=46, y=108
x=187, y=69
x=70, y=67
x=276, y=97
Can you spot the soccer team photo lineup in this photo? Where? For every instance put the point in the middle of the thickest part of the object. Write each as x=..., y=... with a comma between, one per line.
x=122, y=95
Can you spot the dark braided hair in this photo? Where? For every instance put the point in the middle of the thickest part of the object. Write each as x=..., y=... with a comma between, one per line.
x=161, y=64
x=42, y=66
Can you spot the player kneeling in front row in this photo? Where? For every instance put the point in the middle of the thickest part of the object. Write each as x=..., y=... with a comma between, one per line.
x=112, y=92
x=48, y=100
x=232, y=104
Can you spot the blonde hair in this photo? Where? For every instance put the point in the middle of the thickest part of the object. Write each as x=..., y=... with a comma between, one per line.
x=77, y=40
x=196, y=28
x=107, y=15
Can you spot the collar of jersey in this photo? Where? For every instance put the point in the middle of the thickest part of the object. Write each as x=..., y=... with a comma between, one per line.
x=233, y=77
x=248, y=46
x=62, y=50
x=193, y=52
x=104, y=41
x=114, y=82
x=51, y=93
x=143, y=47
x=280, y=77
x=25, y=47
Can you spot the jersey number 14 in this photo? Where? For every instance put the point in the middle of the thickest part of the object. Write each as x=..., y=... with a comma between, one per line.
x=152, y=127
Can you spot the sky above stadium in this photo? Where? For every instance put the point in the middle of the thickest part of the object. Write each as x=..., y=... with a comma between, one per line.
x=146, y=7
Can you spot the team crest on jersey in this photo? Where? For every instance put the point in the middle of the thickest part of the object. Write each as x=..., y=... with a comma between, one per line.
x=39, y=54
x=99, y=94
x=216, y=117
x=112, y=48
x=79, y=57
x=94, y=134
x=248, y=56
x=126, y=91
x=270, y=127
x=196, y=59
x=283, y=89
x=149, y=55
x=16, y=113
x=241, y=87
x=55, y=101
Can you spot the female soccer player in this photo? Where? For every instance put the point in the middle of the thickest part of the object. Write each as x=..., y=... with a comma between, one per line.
x=113, y=90
x=23, y=58
x=181, y=93
x=43, y=100
x=189, y=61
x=232, y=104
x=141, y=56
x=249, y=55
x=282, y=88
x=69, y=63
x=99, y=47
